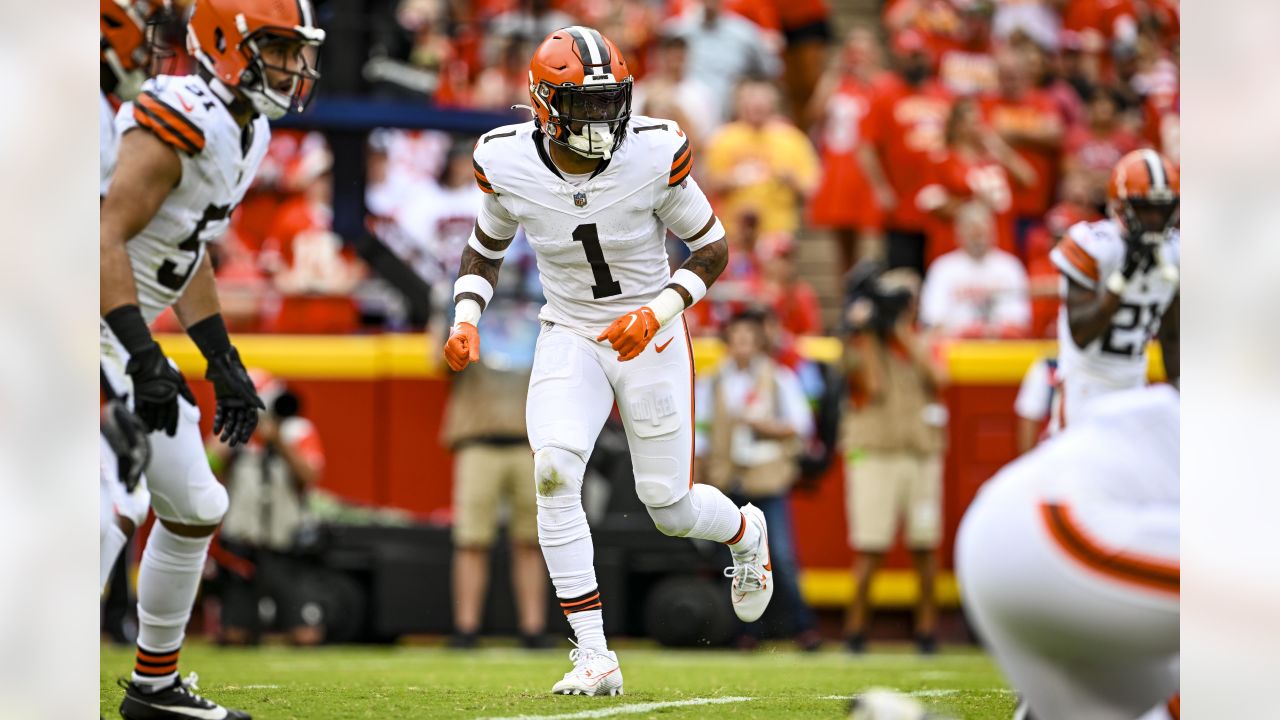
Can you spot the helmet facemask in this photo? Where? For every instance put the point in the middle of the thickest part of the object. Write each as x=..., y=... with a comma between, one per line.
x=589, y=119
x=143, y=31
x=281, y=55
x=1149, y=219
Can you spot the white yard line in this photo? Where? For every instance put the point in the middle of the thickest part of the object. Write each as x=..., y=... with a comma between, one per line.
x=629, y=709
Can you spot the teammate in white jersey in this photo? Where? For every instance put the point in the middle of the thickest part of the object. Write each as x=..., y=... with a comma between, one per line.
x=125, y=54
x=1120, y=286
x=1068, y=560
x=189, y=148
x=596, y=190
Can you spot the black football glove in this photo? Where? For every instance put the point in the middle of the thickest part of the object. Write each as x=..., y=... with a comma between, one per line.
x=156, y=387
x=238, y=403
x=127, y=436
x=1138, y=256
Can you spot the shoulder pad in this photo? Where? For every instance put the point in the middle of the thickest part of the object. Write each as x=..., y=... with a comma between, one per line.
x=664, y=138
x=176, y=112
x=492, y=147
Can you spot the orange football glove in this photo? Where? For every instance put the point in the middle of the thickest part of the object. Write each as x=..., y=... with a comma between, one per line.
x=631, y=333
x=463, y=346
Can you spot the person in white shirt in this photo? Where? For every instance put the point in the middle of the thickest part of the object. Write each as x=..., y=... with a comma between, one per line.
x=752, y=419
x=1035, y=403
x=978, y=290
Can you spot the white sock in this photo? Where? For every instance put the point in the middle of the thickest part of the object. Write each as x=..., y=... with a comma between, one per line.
x=588, y=628
x=718, y=519
x=167, y=584
x=112, y=541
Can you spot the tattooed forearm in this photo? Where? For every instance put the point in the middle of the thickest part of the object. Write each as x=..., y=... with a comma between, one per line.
x=707, y=263
x=473, y=263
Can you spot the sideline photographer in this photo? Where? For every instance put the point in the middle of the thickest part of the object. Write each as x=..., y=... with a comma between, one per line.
x=893, y=439
x=268, y=481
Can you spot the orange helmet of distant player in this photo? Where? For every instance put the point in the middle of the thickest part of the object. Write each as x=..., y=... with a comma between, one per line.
x=126, y=45
x=581, y=91
x=236, y=40
x=1143, y=195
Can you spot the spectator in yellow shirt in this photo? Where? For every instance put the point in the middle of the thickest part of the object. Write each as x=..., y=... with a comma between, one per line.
x=760, y=164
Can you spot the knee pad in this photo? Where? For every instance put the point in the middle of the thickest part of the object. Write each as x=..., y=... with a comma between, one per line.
x=558, y=472
x=659, y=480
x=203, y=501
x=676, y=519
x=558, y=478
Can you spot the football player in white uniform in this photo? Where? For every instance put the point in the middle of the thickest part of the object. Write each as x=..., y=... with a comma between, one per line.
x=1068, y=560
x=596, y=189
x=189, y=148
x=125, y=54
x=1120, y=286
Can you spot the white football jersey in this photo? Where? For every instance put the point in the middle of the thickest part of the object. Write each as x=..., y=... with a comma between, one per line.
x=108, y=142
x=1125, y=451
x=219, y=161
x=600, y=241
x=1089, y=254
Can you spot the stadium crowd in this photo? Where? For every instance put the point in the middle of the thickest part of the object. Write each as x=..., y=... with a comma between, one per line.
x=1019, y=106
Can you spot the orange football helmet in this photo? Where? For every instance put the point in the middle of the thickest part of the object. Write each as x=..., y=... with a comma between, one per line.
x=581, y=91
x=1143, y=195
x=229, y=38
x=126, y=46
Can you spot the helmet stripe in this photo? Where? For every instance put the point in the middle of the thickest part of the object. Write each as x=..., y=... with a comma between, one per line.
x=587, y=48
x=1156, y=168
x=605, y=60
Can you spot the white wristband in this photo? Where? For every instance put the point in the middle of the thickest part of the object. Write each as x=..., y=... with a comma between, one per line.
x=474, y=243
x=690, y=281
x=667, y=306
x=1116, y=283
x=466, y=311
x=472, y=283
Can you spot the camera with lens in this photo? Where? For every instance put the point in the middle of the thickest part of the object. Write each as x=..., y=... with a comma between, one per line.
x=870, y=303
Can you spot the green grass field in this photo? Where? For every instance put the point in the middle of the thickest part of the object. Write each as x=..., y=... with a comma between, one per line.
x=279, y=683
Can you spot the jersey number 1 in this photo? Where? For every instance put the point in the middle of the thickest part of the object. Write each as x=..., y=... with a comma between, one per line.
x=605, y=285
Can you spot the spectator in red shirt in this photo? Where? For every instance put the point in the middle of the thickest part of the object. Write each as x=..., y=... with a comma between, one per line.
x=845, y=201
x=976, y=165
x=1028, y=119
x=905, y=127
x=793, y=301
x=1043, y=276
x=1095, y=147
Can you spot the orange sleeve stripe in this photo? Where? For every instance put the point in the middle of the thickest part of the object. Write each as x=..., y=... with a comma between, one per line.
x=1128, y=568
x=159, y=123
x=1174, y=706
x=681, y=163
x=158, y=129
x=678, y=177
x=179, y=122
x=1080, y=259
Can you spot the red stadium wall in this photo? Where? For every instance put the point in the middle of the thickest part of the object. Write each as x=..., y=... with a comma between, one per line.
x=378, y=403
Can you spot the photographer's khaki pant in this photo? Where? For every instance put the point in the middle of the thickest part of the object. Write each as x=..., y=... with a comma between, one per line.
x=881, y=487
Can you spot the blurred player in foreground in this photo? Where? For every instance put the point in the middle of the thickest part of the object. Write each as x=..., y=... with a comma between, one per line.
x=596, y=189
x=1120, y=287
x=1069, y=564
x=189, y=148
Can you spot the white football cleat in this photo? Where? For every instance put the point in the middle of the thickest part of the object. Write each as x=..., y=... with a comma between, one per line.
x=595, y=672
x=752, y=573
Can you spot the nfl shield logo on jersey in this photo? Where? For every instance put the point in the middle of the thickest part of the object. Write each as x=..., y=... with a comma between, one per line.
x=580, y=199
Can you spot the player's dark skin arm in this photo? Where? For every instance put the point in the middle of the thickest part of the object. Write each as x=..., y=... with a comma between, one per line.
x=1171, y=340
x=705, y=262
x=146, y=170
x=473, y=263
x=1089, y=312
